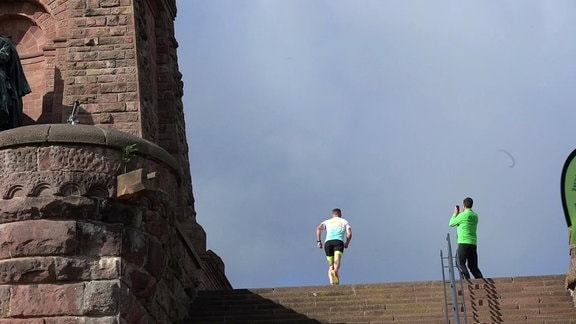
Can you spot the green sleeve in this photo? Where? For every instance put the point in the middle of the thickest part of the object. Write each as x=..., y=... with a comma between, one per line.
x=455, y=220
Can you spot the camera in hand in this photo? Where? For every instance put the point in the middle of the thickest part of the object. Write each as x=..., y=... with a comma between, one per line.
x=458, y=208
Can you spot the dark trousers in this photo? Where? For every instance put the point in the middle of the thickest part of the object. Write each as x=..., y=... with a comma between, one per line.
x=467, y=254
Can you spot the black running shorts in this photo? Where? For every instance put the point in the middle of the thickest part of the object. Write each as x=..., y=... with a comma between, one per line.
x=333, y=245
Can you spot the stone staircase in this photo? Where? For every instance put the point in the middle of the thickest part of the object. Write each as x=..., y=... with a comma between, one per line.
x=504, y=300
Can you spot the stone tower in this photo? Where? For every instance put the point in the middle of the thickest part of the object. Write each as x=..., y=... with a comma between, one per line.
x=89, y=231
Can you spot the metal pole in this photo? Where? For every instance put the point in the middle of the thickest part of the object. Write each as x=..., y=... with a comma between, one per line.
x=463, y=299
x=73, y=119
x=453, y=282
x=444, y=286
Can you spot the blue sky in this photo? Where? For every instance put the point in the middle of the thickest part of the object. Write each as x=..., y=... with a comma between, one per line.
x=393, y=111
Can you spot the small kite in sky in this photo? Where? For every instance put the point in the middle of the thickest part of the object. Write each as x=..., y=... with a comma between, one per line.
x=512, y=159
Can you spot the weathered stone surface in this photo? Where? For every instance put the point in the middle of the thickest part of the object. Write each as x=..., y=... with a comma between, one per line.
x=187, y=268
x=18, y=209
x=79, y=158
x=178, y=298
x=158, y=313
x=117, y=212
x=212, y=269
x=136, y=182
x=141, y=284
x=4, y=300
x=80, y=320
x=156, y=225
x=76, y=134
x=48, y=207
x=100, y=320
x=27, y=270
x=25, y=135
x=69, y=208
x=86, y=268
x=102, y=297
x=64, y=320
x=137, y=314
x=135, y=246
x=46, y=300
x=40, y=183
x=22, y=321
x=22, y=159
x=99, y=239
x=156, y=260
x=165, y=298
x=37, y=237
x=194, y=233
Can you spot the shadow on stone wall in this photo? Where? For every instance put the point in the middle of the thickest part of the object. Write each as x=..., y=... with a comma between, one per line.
x=52, y=110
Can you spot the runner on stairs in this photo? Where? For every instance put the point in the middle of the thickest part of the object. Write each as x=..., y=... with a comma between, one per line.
x=337, y=229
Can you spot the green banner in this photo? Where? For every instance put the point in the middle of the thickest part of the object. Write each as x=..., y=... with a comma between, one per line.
x=569, y=193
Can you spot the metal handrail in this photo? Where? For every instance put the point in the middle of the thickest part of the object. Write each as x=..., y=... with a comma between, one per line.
x=452, y=277
x=455, y=307
x=461, y=286
x=444, y=286
x=73, y=118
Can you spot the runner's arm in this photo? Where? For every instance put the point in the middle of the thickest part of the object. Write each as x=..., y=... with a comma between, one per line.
x=319, y=230
x=348, y=236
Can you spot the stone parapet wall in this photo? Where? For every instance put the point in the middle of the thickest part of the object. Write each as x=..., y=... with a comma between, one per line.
x=76, y=251
x=212, y=272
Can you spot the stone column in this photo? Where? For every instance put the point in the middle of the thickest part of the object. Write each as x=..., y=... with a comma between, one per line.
x=80, y=246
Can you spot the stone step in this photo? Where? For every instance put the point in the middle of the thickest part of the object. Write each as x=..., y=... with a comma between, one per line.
x=512, y=300
x=438, y=293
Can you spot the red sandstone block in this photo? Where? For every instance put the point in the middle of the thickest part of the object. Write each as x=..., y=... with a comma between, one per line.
x=135, y=246
x=4, y=300
x=38, y=237
x=156, y=260
x=85, y=269
x=551, y=308
x=102, y=297
x=521, y=302
x=554, y=299
x=99, y=239
x=567, y=316
x=22, y=321
x=136, y=314
x=109, y=3
x=27, y=270
x=82, y=320
x=62, y=320
x=46, y=300
x=140, y=282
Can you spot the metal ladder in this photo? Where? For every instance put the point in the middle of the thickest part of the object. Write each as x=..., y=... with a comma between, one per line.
x=447, y=262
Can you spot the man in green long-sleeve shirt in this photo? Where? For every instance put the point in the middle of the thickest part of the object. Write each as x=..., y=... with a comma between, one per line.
x=466, y=223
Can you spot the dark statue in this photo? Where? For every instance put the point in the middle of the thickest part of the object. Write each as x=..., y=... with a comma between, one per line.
x=13, y=85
